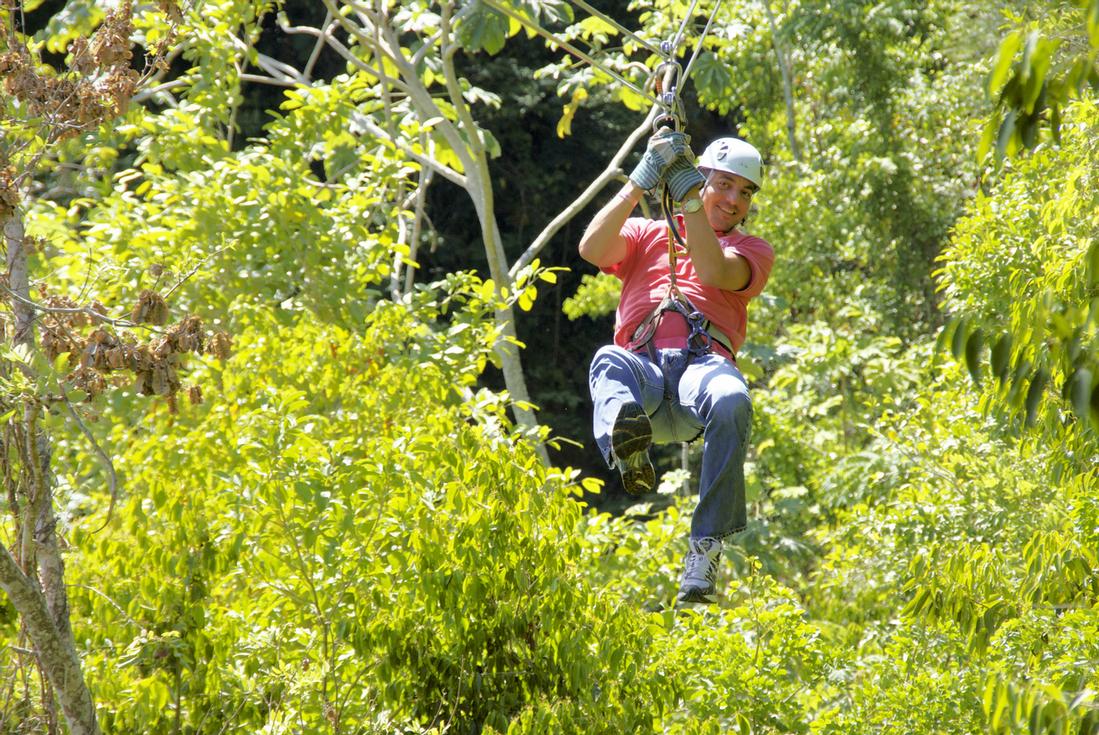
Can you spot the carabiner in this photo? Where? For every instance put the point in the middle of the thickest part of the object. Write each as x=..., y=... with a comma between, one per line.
x=666, y=85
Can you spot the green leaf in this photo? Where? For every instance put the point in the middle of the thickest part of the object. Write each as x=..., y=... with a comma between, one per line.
x=1003, y=138
x=1035, y=719
x=484, y=28
x=1040, y=60
x=958, y=340
x=918, y=603
x=711, y=76
x=1080, y=392
x=992, y=687
x=988, y=136
x=1000, y=358
x=1018, y=378
x=973, y=347
x=1028, y=51
x=1008, y=47
x=1093, y=24
x=946, y=334
x=564, y=125
x=1034, y=394
x=77, y=18
x=554, y=11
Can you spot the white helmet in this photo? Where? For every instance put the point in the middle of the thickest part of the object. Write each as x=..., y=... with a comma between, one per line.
x=733, y=156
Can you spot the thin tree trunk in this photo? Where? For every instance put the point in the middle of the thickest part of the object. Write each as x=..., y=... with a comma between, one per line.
x=611, y=173
x=787, y=83
x=43, y=610
x=426, y=177
x=58, y=659
x=514, y=378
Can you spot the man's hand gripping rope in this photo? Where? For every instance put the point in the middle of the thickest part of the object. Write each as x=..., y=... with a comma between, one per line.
x=666, y=146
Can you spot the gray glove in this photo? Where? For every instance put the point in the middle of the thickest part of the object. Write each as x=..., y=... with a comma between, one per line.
x=664, y=147
x=682, y=176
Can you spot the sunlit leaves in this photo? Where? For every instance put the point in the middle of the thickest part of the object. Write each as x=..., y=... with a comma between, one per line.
x=1021, y=272
x=596, y=296
x=77, y=18
x=1033, y=81
x=564, y=125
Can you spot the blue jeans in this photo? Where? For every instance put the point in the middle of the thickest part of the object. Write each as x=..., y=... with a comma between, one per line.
x=684, y=397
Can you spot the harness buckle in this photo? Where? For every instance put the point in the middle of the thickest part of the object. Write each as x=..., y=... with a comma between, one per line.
x=697, y=321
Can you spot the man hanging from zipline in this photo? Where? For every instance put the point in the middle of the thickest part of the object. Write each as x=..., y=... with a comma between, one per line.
x=671, y=374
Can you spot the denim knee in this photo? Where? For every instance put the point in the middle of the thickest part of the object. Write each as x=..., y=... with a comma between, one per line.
x=732, y=408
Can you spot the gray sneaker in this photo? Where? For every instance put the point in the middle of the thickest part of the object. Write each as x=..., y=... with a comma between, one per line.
x=700, y=571
x=631, y=438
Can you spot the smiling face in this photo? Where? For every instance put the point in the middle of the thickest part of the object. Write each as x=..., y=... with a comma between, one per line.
x=726, y=199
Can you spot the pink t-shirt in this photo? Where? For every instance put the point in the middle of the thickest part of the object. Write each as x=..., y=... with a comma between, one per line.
x=644, y=276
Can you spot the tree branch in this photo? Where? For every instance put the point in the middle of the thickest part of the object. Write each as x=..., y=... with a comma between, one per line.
x=187, y=276
x=355, y=61
x=417, y=227
x=36, y=307
x=18, y=277
x=271, y=81
x=322, y=40
x=412, y=85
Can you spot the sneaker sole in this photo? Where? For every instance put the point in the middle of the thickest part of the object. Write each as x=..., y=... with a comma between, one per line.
x=639, y=481
x=696, y=595
x=630, y=440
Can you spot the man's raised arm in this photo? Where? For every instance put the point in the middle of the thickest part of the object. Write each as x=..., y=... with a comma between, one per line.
x=602, y=244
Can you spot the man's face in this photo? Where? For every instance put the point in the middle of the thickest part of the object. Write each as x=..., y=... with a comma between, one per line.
x=726, y=198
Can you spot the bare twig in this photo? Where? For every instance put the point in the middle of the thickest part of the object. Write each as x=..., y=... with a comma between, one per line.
x=410, y=82
x=19, y=650
x=345, y=52
x=279, y=69
x=186, y=276
x=417, y=226
x=112, y=477
x=114, y=604
x=318, y=47
x=272, y=81
x=787, y=85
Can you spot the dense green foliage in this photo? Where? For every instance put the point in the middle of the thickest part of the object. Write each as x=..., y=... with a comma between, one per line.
x=349, y=534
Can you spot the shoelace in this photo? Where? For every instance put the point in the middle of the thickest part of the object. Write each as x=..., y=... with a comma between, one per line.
x=694, y=559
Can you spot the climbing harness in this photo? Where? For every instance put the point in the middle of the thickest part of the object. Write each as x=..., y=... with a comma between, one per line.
x=701, y=335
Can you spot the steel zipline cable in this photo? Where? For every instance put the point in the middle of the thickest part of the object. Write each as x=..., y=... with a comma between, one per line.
x=667, y=92
x=617, y=26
